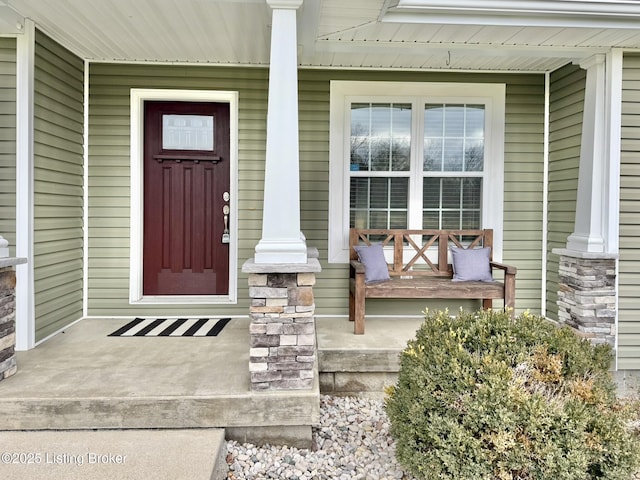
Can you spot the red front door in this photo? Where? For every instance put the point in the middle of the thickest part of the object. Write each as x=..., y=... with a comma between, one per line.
x=186, y=198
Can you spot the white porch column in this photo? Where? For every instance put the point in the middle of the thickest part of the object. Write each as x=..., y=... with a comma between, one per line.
x=588, y=266
x=591, y=206
x=25, y=289
x=282, y=240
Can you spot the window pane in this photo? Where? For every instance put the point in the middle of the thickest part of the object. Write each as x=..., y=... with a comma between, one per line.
x=359, y=218
x=360, y=113
x=451, y=193
x=398, y=220
x=451, y=220
x=381, y=120
x=401, y=137
x=379, y=202
x=359, y=154
x=431, y=193
x=433, y=155
x=454, y=121
x=431, y=220
x=360, y=136
x=451, y=203
x=470, y=220
x=399, y=193
x=380, y=154
x=471, y=193
x=380, y=137
x=453, y=154
x=401, y=154
x=474, y=156
x=359, y=193
x=379, y=193
x=378, y=219
x=401, y=120
x=474, y=127
x=433, y=120
x=454, y=138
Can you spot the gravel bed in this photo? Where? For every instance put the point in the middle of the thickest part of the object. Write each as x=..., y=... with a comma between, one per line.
x=351, y=442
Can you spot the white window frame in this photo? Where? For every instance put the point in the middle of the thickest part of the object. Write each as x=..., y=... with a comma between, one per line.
x=138, y=97
x=344, y=93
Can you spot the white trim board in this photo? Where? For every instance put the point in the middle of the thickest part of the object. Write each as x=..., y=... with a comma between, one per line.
x=138, y=97
x=25, y=288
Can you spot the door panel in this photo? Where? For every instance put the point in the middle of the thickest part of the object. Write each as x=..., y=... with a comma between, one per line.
x=185, y=179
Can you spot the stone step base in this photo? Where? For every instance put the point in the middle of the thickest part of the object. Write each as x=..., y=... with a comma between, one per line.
x=198, y=454
x=358, y=372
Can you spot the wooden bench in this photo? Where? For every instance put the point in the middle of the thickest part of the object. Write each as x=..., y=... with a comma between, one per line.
x=421, y=269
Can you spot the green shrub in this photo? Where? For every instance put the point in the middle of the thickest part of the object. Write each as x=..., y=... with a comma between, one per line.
x=483, y=396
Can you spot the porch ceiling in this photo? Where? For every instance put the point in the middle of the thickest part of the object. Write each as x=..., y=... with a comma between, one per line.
x=499, y=35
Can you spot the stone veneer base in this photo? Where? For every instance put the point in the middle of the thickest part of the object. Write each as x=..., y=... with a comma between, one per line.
x=282, y=354
x=587, y=294
x=7, y=322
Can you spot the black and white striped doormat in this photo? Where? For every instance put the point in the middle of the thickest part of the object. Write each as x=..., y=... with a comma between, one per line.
x=174, y=327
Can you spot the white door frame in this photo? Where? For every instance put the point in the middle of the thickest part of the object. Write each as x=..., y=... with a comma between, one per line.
x=138, y=97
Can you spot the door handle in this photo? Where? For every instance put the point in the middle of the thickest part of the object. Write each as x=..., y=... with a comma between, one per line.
x=226, y=238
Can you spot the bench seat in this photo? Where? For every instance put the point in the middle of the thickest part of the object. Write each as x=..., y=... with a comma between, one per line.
x=415, y=273
x=432, y=287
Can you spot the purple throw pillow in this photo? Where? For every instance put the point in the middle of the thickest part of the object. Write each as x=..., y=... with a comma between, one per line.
x=375, y=265
x=471, y=264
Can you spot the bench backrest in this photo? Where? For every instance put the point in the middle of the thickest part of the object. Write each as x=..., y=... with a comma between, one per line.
x=420, y=252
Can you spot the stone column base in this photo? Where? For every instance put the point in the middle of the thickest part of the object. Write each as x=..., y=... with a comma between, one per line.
x=7, y=323
x=282, y=332
x=587, y=294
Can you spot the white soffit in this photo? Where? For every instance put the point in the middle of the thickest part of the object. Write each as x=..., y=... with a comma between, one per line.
x=10, y=22
x=497, y=35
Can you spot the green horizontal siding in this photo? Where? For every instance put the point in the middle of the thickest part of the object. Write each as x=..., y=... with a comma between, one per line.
x=629, y=266
x=8, y=141
x=58, y=191
x=566, y=104
x=109, y=185
x=523, y=184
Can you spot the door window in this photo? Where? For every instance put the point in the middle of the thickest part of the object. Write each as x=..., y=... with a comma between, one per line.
x=188, y=132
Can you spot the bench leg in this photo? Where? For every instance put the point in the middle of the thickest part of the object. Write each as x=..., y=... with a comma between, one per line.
x=358, y=312
x=510, y=294
x=487, y=303
x=352, y=306
x=358, y=326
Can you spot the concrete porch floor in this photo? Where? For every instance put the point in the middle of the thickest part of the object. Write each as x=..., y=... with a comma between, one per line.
x=84, y=379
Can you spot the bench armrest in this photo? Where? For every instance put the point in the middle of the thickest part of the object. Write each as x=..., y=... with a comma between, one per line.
x=509, y=286
x=357, y=266
x=508, y=269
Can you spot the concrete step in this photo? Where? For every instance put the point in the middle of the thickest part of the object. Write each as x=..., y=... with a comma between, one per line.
x=362, y=364
x=84, y=379
x=189, y=454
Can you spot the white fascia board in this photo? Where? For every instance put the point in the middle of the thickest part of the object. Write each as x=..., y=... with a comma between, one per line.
x=546, y=13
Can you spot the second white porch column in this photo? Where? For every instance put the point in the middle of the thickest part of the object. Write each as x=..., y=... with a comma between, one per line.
x=589, y=230
x=282, y=240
